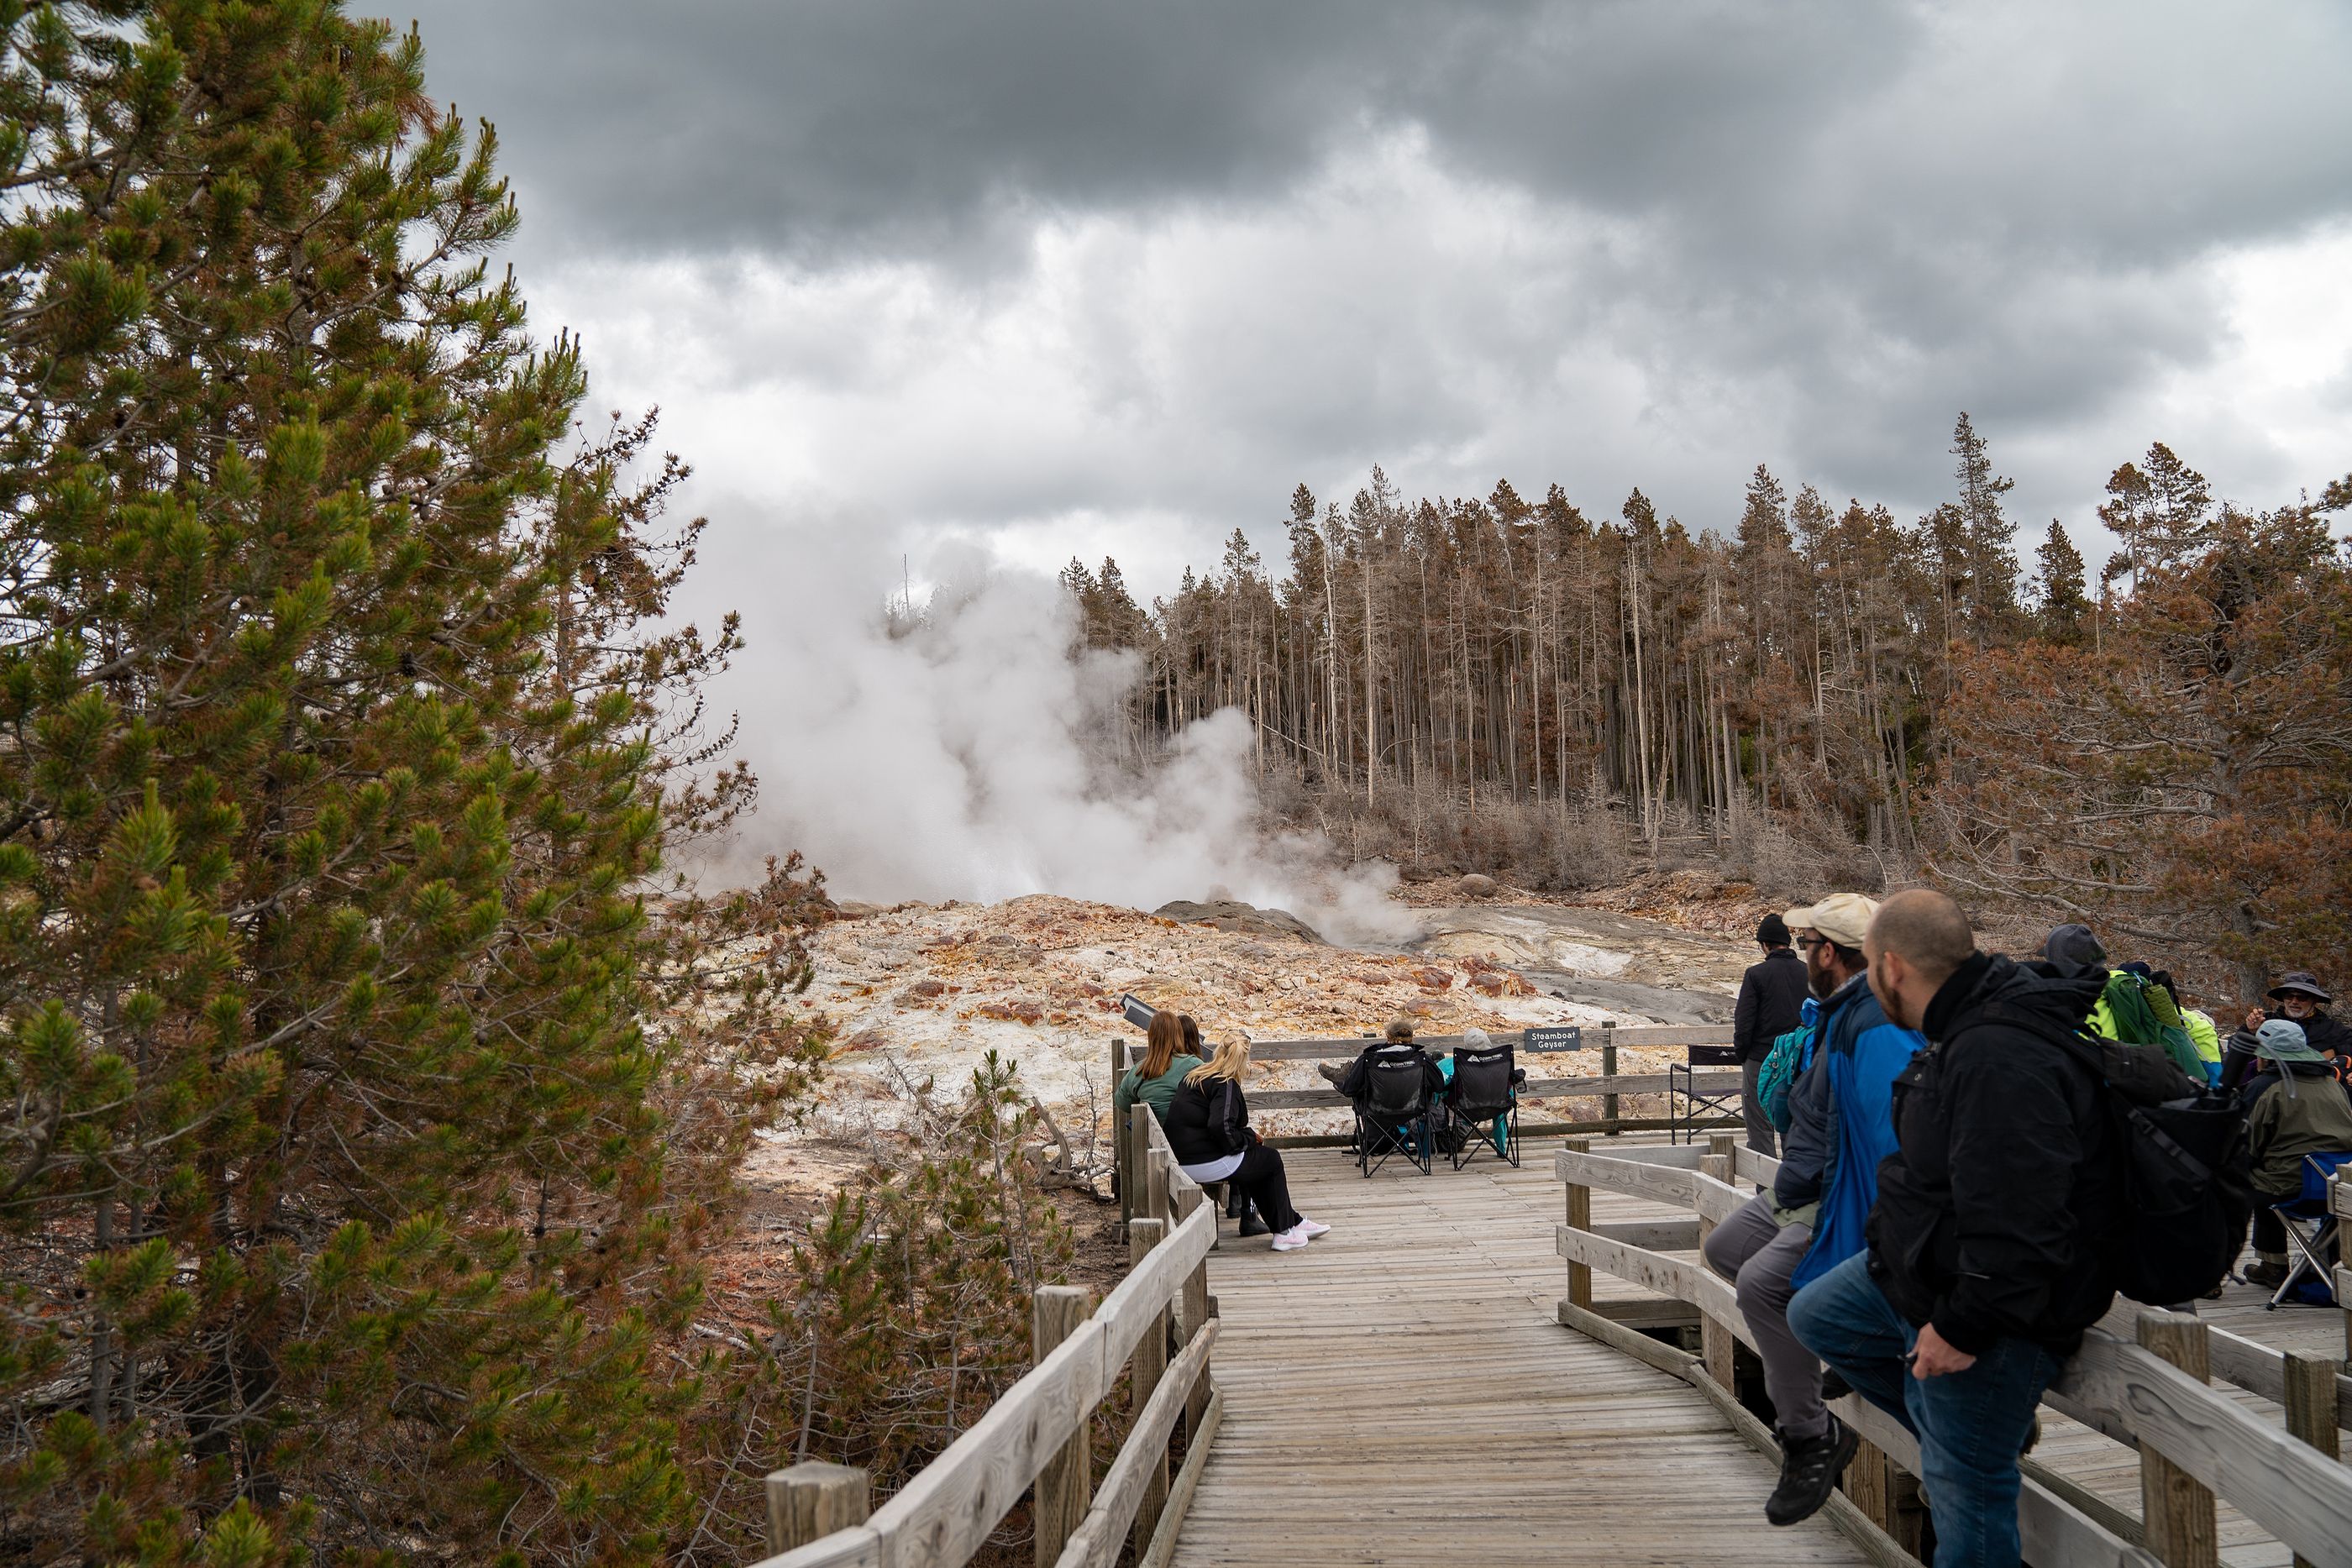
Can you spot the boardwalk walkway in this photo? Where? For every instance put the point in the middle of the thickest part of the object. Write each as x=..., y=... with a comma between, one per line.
x=1408, y=1369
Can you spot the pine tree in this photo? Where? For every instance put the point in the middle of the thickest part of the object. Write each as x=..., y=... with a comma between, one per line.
x=1990, y=539
x=339, y=752
x=2064, y=606
x=2162, y=513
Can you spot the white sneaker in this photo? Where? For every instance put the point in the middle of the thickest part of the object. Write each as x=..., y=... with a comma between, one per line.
x=1309, y=1230
x=1290, y=1241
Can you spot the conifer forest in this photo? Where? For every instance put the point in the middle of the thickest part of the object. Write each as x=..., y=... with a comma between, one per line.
x=1500, y=680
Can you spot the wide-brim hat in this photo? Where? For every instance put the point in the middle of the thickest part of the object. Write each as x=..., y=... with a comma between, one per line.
x=2282, y=1039
x=2299, y=982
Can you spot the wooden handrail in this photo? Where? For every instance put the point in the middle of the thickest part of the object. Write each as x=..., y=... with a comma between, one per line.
x=1539, y=1089
x=2291, y=1489
x=1648, y=1035
x=945, y=1513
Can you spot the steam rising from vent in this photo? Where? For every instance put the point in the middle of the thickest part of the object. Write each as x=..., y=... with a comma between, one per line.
x=958, y=750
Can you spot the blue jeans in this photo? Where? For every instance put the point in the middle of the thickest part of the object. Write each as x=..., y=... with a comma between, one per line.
x=1969, y=1424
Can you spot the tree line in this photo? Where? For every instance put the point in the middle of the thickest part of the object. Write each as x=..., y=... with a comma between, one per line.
x=1831, y=670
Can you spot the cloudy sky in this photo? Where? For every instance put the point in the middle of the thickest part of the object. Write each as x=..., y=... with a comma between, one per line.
x=1079, y=275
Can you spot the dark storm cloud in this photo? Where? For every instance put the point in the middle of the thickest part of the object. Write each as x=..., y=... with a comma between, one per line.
x=2107, y=132
x=863, y=125
x=1815, y=229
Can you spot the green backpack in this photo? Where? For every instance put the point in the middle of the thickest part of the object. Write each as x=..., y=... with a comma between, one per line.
x=2146, y=1015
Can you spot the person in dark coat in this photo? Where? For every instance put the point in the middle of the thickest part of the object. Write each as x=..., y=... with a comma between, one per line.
x=1210, y=1134
x=1397, y=1045
x=1771, y=995
x=1991, y=1246
x=2301, y=1002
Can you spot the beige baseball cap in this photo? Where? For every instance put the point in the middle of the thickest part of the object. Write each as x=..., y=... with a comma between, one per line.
x=1842, y=917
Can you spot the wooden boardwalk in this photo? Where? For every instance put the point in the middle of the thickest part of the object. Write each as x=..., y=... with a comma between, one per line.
x=1402, y=1392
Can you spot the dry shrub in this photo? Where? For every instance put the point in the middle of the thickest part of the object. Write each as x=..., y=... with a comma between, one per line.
x=905, y=1313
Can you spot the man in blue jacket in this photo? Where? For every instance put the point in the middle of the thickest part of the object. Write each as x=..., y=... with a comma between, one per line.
x=1841, y=1125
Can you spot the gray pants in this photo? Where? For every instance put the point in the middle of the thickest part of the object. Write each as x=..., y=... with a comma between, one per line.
x=1751, y=1107
x=1759, y=1256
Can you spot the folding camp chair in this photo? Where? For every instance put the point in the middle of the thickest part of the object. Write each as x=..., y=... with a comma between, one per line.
x=2310, y=1226
x=1482, y=1100
x=1394, y=1117
x=1687, y=1106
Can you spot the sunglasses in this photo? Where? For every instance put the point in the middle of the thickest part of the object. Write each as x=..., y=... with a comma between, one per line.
x=1812, y=941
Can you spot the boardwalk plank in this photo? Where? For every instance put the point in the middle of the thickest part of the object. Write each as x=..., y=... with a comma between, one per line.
x=1370, y=1378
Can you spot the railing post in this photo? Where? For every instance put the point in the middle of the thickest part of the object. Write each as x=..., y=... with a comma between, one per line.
x=1066, y=1484
x=1579, y=1217
x=1137, y=1136
x=1715, y=1340
x=1149, y=1366
x=811, y=1501
x=2340, y=1202
x=2311, y=1407
x=1162, y=1186
x=1192, y=1312
x=2177, y=1510
x=1608, y=1071
x=1119, y=1182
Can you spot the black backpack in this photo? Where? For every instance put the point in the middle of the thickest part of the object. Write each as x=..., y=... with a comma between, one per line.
x=2181, y=1153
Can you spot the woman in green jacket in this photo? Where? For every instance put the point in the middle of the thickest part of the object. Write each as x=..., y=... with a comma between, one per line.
x=1165, y=1062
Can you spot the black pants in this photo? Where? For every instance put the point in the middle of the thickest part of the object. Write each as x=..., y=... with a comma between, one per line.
x=1260, y=1179
x=2270, y=1231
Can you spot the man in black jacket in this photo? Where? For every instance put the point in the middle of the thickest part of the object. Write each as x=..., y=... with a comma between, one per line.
x=2301, y=1002
x=1772, y=996
x=1990, y=1244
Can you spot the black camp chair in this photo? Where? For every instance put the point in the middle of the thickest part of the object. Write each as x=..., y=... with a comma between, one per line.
x=1393, y=1115
x=1481, y=1100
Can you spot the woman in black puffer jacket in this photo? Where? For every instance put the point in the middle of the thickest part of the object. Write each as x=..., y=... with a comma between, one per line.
x=1208, y=1130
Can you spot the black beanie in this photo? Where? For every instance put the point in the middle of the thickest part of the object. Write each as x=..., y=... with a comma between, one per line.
x=1772, y=930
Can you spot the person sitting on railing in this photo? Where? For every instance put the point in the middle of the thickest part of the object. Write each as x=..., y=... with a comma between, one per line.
x=1171, y=1052
x=1841, y=1125
x=1209, y=1132
x=1992, y=1245
x=2295, y=1110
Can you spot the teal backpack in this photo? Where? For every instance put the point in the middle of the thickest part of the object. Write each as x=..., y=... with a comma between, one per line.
x=1789, y=1054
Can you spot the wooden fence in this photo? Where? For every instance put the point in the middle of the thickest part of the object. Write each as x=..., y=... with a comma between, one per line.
x=1038, y=1434
x=1605, y=1086
x=2194, y=1442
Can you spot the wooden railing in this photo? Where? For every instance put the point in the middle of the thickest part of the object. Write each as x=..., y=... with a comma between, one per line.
x=1038, y=1434
x=1605, y=1086
x=2195, y=1443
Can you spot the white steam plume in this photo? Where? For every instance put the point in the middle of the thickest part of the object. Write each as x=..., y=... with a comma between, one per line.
x=970, y=757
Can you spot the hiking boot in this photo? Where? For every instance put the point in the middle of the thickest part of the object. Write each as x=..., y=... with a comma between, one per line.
x=1250, y=1224
x=1332, y=1071
x=2270, y=1276
x=1834, y=1387
x=1809, y=1468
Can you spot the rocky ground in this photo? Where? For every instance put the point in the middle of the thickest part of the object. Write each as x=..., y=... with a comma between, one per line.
x=922, y=991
